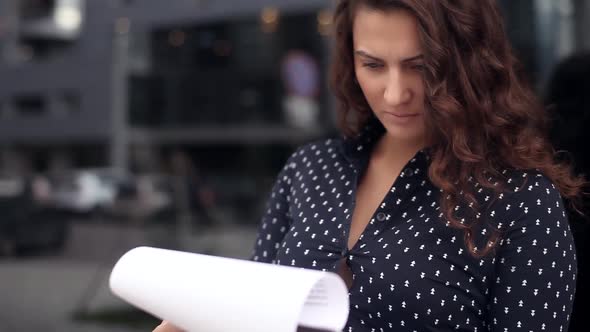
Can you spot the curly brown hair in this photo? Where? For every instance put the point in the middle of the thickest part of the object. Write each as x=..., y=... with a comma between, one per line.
x=481, y=115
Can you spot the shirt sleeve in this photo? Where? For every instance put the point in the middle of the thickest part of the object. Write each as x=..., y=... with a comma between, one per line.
x=536, y=268
x=276, y=219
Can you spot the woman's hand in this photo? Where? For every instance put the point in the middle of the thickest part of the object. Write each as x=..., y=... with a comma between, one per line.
x=166, y=327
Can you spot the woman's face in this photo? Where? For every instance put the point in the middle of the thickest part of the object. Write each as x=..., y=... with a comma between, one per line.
x=388, y=64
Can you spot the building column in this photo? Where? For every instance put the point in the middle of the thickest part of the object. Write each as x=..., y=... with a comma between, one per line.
x=8, y=31
x=119, y=142
x=566, y=38
x=582, y=22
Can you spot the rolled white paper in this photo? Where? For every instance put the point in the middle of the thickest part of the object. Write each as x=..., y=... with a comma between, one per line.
x=201, y=293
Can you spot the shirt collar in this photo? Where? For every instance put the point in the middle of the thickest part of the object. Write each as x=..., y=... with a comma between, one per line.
x=357, y=149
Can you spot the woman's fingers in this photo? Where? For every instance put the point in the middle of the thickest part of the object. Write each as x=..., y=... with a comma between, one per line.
x=166, y=327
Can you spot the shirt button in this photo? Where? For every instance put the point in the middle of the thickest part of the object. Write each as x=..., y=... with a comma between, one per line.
x=408, y=172
x=380, y=216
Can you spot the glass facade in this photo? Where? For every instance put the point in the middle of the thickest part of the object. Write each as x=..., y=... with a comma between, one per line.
x=228, y=72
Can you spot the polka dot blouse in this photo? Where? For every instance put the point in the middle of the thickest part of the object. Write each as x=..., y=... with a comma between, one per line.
x=411, y=270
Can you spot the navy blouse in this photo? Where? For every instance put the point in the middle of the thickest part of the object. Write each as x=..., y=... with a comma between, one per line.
x=411, y=270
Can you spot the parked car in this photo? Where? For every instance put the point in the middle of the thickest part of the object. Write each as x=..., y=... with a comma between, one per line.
x=85, y=191
x=145, y=197
x=28, y=220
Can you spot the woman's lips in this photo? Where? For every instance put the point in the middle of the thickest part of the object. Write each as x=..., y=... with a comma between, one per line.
x=401, y=118
x=403, y=115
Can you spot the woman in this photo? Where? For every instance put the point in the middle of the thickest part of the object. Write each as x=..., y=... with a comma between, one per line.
x=442, y=206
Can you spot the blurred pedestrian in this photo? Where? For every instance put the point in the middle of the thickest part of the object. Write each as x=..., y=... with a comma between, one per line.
x=568, y=98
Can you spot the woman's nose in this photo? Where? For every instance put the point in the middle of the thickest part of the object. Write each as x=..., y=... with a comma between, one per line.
x=396, y=92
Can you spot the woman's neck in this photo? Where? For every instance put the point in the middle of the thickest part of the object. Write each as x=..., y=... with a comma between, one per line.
x=393, y=151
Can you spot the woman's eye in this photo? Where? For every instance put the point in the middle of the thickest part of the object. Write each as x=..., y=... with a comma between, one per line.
x=418, y=67
x=371, y=65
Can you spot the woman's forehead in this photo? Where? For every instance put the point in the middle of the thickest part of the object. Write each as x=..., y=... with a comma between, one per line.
x=387, y=35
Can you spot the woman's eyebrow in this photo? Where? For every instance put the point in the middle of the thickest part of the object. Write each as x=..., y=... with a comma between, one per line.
x=414, y=58
x=367, y=55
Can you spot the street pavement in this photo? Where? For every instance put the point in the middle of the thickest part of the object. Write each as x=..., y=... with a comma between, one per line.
x=41, y=293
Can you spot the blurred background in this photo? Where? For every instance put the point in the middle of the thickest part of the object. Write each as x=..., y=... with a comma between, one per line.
x=164, y=123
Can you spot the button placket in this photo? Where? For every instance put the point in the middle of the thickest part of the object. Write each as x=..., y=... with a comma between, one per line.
x=348, y=220
x=396, y=199
x=408, y=172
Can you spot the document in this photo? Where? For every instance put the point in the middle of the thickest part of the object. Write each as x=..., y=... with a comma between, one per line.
x=202, y=293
